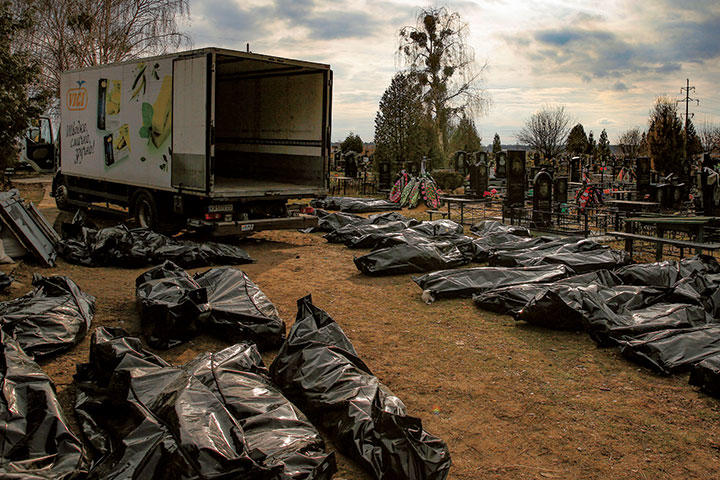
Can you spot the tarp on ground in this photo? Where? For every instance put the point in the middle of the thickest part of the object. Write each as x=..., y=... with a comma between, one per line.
x=219, y=416
x=354, y=204
x=510, y=300
x=493, y=227
x=318, y=369
x=672, y=351
x=132, y=248
x=465, y=282
x=50, y=319
x=175, y=307
x=239, y=310
x=36, y=439
x=416, y=257
x=28, y=226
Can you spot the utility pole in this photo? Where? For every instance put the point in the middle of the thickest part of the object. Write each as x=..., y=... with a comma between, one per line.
x=687, y=89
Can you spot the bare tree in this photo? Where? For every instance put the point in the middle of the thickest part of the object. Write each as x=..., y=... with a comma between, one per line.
x=79, y=33
x=546, y=131
x=630, y=142
x=437, y=54
x=710, y=137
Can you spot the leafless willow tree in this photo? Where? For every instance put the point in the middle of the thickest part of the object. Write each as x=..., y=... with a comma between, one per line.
x=630, y=142
x=438, y=56
x=78, y=33
x=546, y=131
x=710, y=137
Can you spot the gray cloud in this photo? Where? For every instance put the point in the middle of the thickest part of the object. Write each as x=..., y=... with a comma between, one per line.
x=593, y=51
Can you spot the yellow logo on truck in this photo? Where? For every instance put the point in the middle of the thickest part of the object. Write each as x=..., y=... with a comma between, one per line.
x=77, y=98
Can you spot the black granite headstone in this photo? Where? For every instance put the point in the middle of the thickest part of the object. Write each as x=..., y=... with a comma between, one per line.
x=542, y=198
x=560, y=190
x=643, y=175
x=501, y=165
x=515, y=178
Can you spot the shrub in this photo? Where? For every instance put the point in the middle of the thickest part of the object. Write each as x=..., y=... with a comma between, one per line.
x=448, y=180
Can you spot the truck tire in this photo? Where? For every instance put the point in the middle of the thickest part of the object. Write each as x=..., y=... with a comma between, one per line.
x=62, y=196
x=144, y=209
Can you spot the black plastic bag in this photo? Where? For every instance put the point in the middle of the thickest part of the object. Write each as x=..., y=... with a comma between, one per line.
x=416, y=258
x=5, y=281
x=239, y=310
x=121, y=247
x=667, y=273
x=465, y=282
x=672, y=351
x=173, y=307
x=50, y=319
x=706, y=375
x=318, y=368
x=586, y=261
x=219, y=416
x=36, y=439
x=271, y=424
x=510, y=300
x=493, y=227
x=609, y=313
x=354, y=204
x=367, y=236
x=146, y=419
x=329, y=222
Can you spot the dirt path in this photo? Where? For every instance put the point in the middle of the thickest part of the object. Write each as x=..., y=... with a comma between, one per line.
x=513, y=402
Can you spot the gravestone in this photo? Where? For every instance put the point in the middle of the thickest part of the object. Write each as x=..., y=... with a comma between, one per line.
x=515, y=179
x=542, y=198
x=384, y=179
x=575, y=169
x=643, y=176
x=500, y=165
x=479, y=175
x=560, y=190
x=459, y=161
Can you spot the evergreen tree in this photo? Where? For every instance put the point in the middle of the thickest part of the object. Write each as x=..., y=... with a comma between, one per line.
x=577, y=142
x=465, y=137
x=352, y=143
x=400, y=133
x=603, y=148
x=665, y=138
x=21, y=98
x=497, y=146
x=591, y=147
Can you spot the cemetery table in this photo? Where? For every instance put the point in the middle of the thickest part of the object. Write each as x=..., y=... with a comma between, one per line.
x=693, y=226
x=462, y=201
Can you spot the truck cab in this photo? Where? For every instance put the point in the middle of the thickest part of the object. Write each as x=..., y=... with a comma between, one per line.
x=38, y=146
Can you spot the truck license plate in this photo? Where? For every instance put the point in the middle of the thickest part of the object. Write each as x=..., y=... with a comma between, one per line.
x=227, y=207
x=247, y=227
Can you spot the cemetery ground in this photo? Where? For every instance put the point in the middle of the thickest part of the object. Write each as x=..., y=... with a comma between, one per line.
x=511, y=401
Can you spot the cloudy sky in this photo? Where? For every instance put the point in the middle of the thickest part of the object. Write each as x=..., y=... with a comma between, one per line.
x=604, y=60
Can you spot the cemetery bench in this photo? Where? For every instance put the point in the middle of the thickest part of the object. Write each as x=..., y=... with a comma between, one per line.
x=660, y=241
x=437, y=212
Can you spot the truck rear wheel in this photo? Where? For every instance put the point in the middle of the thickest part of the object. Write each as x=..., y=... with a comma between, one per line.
x=62, y=196
x=144, y=209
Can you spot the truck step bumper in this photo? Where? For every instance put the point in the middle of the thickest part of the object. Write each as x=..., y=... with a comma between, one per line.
x=246, y=227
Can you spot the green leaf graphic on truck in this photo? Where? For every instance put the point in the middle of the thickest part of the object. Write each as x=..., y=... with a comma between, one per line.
x=157, y=118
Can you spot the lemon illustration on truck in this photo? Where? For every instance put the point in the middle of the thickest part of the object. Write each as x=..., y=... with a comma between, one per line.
x=162, y=113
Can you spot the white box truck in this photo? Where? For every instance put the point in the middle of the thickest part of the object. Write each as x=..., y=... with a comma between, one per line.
x=208, y=139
